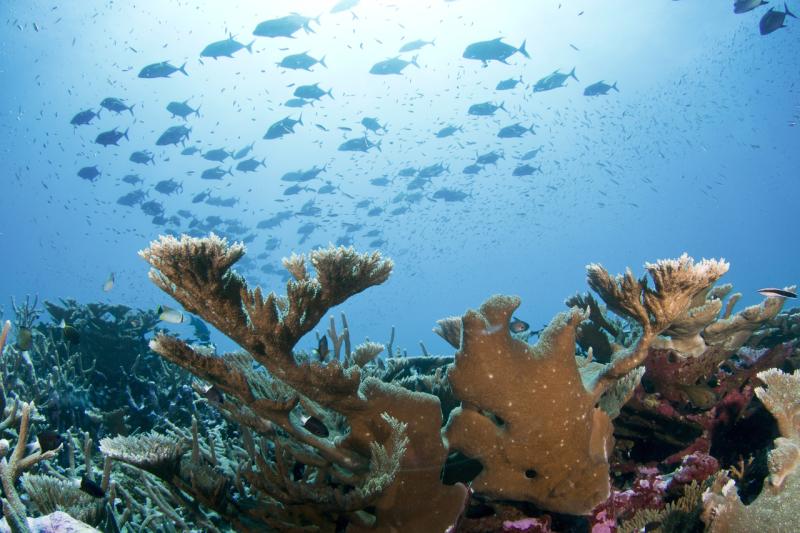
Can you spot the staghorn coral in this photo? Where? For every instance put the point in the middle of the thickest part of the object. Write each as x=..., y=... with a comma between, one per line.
x=275, y=401
x=530, y=415
x=775, y=509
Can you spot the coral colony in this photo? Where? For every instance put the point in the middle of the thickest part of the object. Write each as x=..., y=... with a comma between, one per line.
x=654, y=407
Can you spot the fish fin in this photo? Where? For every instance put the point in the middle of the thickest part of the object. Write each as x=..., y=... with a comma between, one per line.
x=414, y=61
x=572, y=74
x=787, y=12
x=378, y=145
x=614, y=86
x=433, y=42
x=522, y=50
x=183, y=69
x=125, y=134
x=131, y=108
x=230, y=169
x=502, y=106
x=322, y=62
x=197, y=111
x=264, y=162
x=531, y=129
x=330, y=93
x=250, y=46
x=300, y=120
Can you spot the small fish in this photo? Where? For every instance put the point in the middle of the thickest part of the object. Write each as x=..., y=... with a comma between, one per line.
x=49, y=440
x=24, y=339
x=214, y=395
x=109, y=284
x=322, y=348
x=91, y=488
x=518, y=326
x=777, y=293
x=167, y=314
x=314, y=426
x=71, y=334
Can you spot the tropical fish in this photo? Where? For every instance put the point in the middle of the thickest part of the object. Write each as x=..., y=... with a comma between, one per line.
x=322, y=348
x=241, y=153
x=214, y=395
x=170, y=315
x=133, y=179
x=484, y=109
x=109, y=283
x=49, y=440
x=161, y=70
x=312, y=92
x=315, y=426
x=407, y=172
x=508, y=84
x=298, y=102
x=489, y=158
x=743, y=6
x=495, y=49
x=361, y=144
x=553, y=81
x=779, y=293
x=393, y=65
x=599, y=89
x=218, y=155
x=344, y=5
x=182, y=109
x=514, y=130
x=225, y=48
x=152, y=208
x=116, y=105
x=301, y=61
x=530, y=154
x=432, y=171
x=250, y=165
x=372, y=124
x=142, y=157
x=216, y=173
x=526, y=170
x=471, y=170
x=416, y=45
x=168, y=187
x=84, y=118
x=174, y=135
x=89, y=173
x=111, y=137
x=773, y=20
x=70, y=334
x=282, y=127
x=24, y=338
x=448, y=131
x=518, y=326
x=382, y=181
x=284, y=26
x=132, y=198
x=191, y=150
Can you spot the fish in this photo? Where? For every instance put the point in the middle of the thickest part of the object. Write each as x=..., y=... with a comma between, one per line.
x=282, y=127
x=450, y=195
x=174, y=135
x=518, y=326
x=372, y=124
x=242, y=153
x=200, y=197
x=432, y=171
x=416, y=45
x=407, y=172
x=471, y=170
x=218, y=155
x=361, y=144
x=91, y=488
x=161, y=70
x=301, y=62
x=298, y=102
x=133, y=179
x=152, y=208
x=494, y=50
x=284, y=26
x=169, y=186
x=743, y=6
x=525, y=170
x=250, y=165
x=777, y=293
x=553, y=81
x=111, y=137
x=214, y=395
x=116, y=105
x=344, y=5
x=489, y=158
x=322, y=348
x=393, y=65
x=774, y=20
x=599, y=89
x=527, y=156
x=132, y=198
x=506, y=85
x=448, y=131
x=109, y=283
x=225, y=48
x=191, y=150
x=215, y=173
x=513, y=131
x=89, y=173
x=382, y=181
x=142, y=157
x=71, y=335
x=84, y=118
x=24, y=338
x=311, y=92
x=49, y=440
x=182, y=109
x=170, y=315
x=485, y=109
x=315, y=426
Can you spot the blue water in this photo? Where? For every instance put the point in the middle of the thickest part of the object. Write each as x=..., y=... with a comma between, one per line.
x=696, y=153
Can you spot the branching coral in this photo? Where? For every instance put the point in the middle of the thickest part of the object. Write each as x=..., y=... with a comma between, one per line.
x=277, y=405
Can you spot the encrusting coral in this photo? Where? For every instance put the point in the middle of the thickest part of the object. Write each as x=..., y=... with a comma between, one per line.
x=775, y=509
x=345, y=470
x=534, y=418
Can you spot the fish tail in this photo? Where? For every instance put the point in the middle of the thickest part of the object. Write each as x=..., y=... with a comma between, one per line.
x=300, y=120
x=330, y=93
x=414, y=61
x=322, y=62
x=250, y=46
x=572, y=74
x=502, y=106
x=531, y=129
x=131, y=108
x=230, y=171
x=433, y=42
x=196, y=111
x=183, y=69
x=98, y=112
x=522, y=50
x=378, y=145
x=614, y=86
x=786, y=11
x=264, y=162
x=125, y=134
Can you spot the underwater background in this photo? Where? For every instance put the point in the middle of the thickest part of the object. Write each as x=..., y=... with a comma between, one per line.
x=485, y=148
